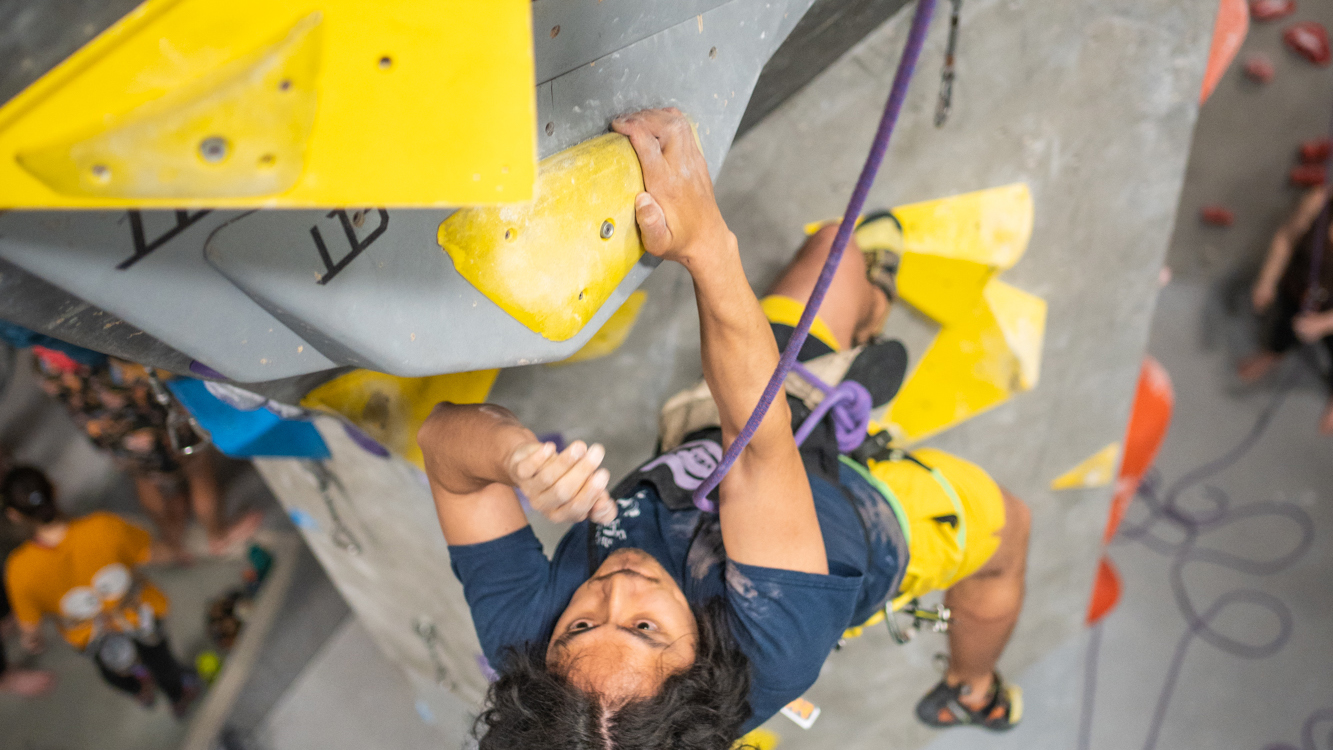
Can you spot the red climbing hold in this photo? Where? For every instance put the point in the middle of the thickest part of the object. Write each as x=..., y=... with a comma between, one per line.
x=1316, y=151
x=1216, y=215
x=1259, y=68
x=1267, y=10
x=1308, y=175
x=1310, y=40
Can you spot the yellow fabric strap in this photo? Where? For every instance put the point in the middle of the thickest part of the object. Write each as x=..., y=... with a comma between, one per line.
x=787, y=312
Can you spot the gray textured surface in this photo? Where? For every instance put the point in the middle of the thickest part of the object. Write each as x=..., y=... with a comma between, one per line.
x=30, y=302
x=1246, y=143
x=169, y=291
x=400, y=574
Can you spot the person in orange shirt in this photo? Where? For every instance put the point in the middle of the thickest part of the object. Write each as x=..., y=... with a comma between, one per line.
x=84, y=574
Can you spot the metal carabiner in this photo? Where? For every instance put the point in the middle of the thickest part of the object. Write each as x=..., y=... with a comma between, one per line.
x=939, y=617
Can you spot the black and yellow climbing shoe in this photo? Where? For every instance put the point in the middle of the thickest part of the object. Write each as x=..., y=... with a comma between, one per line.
x=880, y=237
x=942, y=708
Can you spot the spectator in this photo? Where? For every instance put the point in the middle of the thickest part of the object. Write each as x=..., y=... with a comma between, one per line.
x=86, y=574
x=1297, y=307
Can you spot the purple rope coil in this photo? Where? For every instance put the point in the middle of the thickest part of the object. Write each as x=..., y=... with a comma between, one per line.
x=850, y=403
x=916, y=38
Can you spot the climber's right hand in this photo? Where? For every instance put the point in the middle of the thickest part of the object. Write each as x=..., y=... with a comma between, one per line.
x=677, y=214
x=566, y=486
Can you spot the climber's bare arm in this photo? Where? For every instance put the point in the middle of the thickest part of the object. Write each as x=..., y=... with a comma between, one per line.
x=476, y=455
x=1280, y=248
x=767, y=511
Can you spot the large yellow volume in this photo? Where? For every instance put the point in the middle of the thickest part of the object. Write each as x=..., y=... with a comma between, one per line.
x=990, y=340
x=282, y=103
x=552, y=263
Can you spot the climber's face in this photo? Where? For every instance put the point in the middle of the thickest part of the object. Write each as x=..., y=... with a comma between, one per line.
x=625, y=630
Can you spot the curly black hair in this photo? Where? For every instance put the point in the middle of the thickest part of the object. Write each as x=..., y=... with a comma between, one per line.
x=532, y=706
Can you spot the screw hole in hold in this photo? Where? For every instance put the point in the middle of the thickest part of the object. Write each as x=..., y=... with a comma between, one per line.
x=550, y=128
x=581, y=293
x=386, y=62
x=511, y=234
x=608, y=229
x=213, y=149
x=267, y=160
x=285, y=84
x=555, y=31
x=712, y=54
x=101, y=173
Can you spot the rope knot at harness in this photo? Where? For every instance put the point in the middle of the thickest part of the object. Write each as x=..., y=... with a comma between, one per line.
x=848, y=402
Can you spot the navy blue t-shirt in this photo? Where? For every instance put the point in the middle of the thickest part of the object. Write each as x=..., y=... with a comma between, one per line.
x=785, y=622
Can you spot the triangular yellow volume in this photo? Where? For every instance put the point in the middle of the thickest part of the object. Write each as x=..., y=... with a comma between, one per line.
x=1096, y=470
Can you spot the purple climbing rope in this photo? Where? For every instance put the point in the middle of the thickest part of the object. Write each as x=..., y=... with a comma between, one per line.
x=916, y=38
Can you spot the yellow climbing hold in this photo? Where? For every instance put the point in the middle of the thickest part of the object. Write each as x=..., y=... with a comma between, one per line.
x=759, y=739
x=1096, y=470
x=391, y=409
x=612, y=333
x=990, y=341
x=552, y=263
x=282, y=103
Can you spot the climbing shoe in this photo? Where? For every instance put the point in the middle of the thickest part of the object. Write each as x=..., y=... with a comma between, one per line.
x=880, y=367
x=880, y=237
x=942, y=708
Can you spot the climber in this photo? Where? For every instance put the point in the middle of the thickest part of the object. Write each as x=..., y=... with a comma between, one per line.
x=1298, y=308
x=656, y=624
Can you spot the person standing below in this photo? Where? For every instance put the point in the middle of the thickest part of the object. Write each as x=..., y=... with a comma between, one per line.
x=1299, y=309
x=85, y=574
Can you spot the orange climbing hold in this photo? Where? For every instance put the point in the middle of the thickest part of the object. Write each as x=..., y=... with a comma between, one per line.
x=1105, y=591
x=1148, y=422
x=1233, y=22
